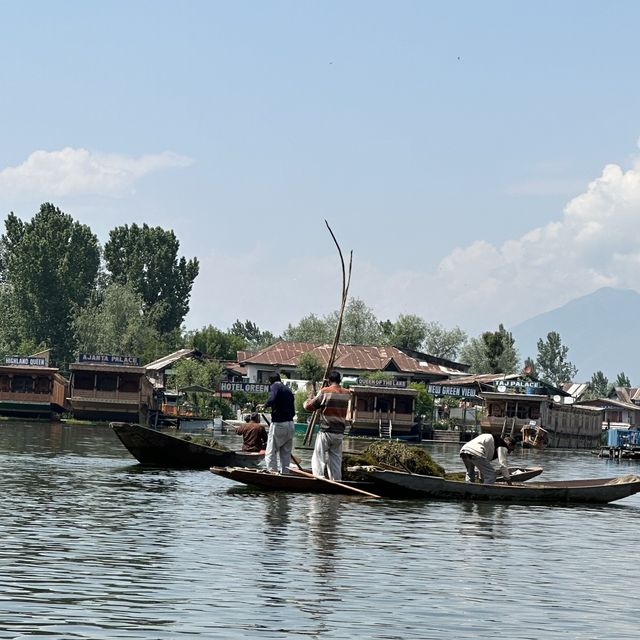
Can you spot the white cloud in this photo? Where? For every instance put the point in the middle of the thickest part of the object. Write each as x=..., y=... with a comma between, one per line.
x=81, y=172
x=594, y=244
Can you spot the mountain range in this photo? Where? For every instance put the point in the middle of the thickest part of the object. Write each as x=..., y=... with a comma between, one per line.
x=589, y=326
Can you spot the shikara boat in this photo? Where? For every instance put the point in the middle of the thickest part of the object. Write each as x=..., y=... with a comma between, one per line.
x=292, y=482
x=163, y=449
x=591, y=491
x=301, y=482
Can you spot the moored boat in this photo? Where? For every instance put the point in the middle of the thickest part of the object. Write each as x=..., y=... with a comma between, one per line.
x=301, y=482
x=163, y=449
x=588, y=491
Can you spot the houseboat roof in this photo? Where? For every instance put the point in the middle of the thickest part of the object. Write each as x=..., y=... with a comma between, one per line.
x=379, y=391
x=26, y=368
x=99, y=366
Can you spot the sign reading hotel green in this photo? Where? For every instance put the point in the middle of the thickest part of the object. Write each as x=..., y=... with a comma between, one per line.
x=31, y=362
x=396, y=384
x=246, y=387
x=109, y=359
x=450, y=390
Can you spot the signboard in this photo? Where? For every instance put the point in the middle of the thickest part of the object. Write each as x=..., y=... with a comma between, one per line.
x=109, y=359
x=450, y=390
x=396, y=384
x=246, y=387
x=31, y=362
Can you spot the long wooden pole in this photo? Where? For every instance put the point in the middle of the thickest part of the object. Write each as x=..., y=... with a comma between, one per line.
x=346, y=281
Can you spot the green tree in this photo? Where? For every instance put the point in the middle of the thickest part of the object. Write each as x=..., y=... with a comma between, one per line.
x=189, y=372
x=622, y=380
x=114, y=322
x=409, y=332
x=310, y=329
x=442, y=343
x=529, y=368
x=492, y=352
x=359, y=324
x=51, y=266
x=599, y=386
x=146, y=258
x=552, y=360
x=424, y=400
x=221, y=345
x=311, y=368
x=254, y=338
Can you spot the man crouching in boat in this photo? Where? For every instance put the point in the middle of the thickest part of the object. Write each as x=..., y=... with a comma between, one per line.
x=333, y=403
x=479, y=452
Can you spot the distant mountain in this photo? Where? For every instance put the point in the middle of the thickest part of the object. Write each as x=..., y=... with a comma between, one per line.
x=594, y=327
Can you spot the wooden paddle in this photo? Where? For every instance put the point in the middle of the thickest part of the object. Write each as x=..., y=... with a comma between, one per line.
x=338, y=484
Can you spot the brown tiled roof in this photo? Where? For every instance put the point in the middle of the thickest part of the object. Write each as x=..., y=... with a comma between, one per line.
x=348, y=356
x=235, y=367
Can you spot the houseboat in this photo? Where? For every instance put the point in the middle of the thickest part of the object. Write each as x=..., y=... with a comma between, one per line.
x=384, y=411
x=565, y=424
x=31, y=389
x=107, y=388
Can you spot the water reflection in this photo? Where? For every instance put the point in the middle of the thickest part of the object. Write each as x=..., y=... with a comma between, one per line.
x=483, y=520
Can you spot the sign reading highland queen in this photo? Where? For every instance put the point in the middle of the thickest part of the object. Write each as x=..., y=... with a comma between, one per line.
x=109, y=359
x=30, y=362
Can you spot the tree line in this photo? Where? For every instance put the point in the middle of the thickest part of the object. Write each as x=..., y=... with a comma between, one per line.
x=60, y=289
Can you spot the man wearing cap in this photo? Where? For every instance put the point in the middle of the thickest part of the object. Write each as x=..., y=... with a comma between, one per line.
x=479, y=452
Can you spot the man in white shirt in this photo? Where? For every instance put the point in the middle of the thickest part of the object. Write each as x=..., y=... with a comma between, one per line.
x=479, y=452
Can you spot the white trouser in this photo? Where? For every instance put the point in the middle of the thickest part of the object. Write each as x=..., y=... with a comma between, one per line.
x=279, y=445
x=486, y=469
x=326, y=461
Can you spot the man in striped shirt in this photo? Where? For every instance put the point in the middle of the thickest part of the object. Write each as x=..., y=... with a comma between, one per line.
x=333, y=402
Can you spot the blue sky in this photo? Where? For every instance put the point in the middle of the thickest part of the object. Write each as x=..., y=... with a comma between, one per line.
x=480, y=159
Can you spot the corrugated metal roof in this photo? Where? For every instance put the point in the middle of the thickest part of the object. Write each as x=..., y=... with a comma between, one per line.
x=348, y=356
x=165, y=361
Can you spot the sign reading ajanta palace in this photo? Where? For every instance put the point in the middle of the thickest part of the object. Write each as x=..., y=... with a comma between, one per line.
x=109, y=359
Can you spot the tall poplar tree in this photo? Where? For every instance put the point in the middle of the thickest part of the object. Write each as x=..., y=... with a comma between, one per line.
x=552, y=363
x=146, y=259
x=49, y=269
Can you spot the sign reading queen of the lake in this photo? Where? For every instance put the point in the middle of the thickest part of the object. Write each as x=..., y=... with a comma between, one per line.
x=109, y=359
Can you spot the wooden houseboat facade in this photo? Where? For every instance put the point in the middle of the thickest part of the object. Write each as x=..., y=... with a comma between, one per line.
x=571, y=426
x=383, y=411
x=110, y=388
x=31, y=390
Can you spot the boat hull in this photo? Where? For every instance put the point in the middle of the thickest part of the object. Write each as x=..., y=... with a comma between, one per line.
x=591, y=491
x=161, y=449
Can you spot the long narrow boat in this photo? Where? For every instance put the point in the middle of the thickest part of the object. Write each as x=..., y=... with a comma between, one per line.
x=590, y=491
x=295, y=482
x=162, y=449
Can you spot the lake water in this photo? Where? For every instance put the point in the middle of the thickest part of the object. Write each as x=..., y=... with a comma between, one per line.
x=94, y=546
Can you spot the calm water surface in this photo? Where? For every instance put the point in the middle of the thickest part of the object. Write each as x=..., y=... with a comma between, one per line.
x=93, y=546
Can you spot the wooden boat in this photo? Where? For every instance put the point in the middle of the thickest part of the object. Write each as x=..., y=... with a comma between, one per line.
x=292, y=482
x=163, y=449
x=590, y=491
x=534, y=437
x=296, y=482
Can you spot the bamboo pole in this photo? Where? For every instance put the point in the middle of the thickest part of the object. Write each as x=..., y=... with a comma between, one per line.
x=346, y=281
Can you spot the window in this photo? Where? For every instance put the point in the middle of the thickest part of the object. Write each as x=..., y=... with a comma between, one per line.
x=83, y=380
x=22, y=384
x=404, y=405
x=5, y=383
x=43, y=384
x=107, y=382
x=128, y=384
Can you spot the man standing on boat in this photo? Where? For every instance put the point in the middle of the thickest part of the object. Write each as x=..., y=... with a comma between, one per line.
x=254, y=435
x=479, y=452
x=280, y=440
x=333, y=403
